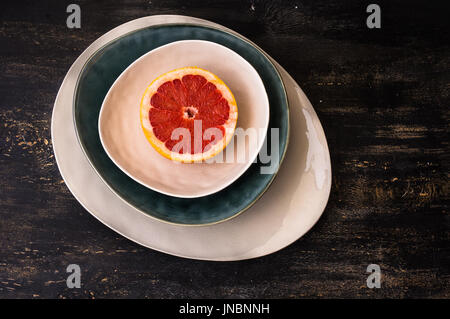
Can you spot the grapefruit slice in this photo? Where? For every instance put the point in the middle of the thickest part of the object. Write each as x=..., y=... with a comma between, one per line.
x=188, y=114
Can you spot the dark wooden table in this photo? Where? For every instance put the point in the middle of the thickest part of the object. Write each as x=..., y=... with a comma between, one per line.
x=382, y=96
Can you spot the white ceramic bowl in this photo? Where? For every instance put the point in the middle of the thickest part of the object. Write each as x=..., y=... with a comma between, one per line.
x=124, y=141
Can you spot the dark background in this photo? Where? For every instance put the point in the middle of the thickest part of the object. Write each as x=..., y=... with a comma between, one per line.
x=383, y=99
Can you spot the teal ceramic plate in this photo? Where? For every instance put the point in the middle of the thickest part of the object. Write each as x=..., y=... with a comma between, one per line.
x=100, y=72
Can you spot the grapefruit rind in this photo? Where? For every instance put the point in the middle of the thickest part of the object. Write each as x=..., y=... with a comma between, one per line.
x=159, y=145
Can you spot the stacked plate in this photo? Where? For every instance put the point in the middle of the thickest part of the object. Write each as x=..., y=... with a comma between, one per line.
x=220, y=210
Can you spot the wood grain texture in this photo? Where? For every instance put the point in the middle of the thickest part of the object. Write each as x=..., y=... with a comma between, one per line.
x=383, y=99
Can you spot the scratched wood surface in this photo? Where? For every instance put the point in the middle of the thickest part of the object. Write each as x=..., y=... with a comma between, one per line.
x=383, y=99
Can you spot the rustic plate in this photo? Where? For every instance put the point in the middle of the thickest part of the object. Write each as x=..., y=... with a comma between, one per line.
x=125, y=143
x=101, y=70
x=290, y=207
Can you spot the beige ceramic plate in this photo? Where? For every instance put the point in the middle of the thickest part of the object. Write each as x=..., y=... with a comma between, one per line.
x=290, y=207
x=124, y=141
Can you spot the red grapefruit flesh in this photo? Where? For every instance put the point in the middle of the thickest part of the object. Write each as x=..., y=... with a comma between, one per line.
x=188, y=114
